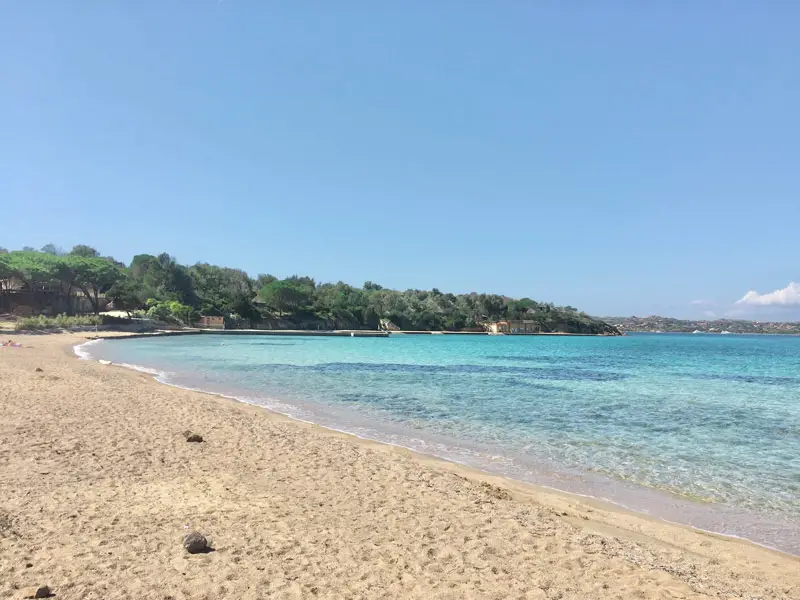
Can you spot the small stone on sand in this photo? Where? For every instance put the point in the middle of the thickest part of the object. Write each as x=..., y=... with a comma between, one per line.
x=43, y=592
x=195, y=542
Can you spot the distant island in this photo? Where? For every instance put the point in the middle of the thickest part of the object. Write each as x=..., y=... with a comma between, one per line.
x=656, y=324
x=38, y=285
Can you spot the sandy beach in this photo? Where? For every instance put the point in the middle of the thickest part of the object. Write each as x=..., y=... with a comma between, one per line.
x=99, y=486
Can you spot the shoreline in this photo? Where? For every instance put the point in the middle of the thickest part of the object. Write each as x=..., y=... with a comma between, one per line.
x=639, y=500
x=298, y=507
x=360, y=333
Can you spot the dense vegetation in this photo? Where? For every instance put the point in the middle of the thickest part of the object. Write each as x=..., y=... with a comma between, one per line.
x=167, y=290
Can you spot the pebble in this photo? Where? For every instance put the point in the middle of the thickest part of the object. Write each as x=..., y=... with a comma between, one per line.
x=195, y=543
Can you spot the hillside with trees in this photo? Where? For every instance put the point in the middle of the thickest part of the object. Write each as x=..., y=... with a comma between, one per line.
x=159, y=287
x=656, y=324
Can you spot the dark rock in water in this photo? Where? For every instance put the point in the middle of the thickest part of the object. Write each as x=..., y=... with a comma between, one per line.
x=195, y=543
x=194, y=437
x=39, y=369
x=43, y=592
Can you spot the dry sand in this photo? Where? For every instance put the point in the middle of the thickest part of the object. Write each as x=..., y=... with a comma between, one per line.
x=98, y=487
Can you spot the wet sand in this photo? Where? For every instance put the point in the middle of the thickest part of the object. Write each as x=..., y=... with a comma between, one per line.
x=99, y=486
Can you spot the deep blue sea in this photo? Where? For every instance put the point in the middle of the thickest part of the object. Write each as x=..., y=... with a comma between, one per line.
x=697, y=429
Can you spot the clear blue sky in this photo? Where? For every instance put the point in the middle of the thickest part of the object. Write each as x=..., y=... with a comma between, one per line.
x=620, y=158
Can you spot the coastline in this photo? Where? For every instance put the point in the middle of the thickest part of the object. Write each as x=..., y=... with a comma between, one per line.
x=111, y=333
x=439, y=460
x=374, y=503
x=661, y=504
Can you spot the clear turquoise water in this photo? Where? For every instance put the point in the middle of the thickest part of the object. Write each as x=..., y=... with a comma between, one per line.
x=698, y=429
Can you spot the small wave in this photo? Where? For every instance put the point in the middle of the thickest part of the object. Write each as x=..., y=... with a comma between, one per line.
x=83, y=353
x=270, y=404
x=81, y=350
x=159, y=375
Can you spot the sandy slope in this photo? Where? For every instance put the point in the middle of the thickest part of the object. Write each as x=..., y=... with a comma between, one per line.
x=97, y=486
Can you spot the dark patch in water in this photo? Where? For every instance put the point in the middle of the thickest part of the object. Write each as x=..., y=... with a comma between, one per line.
x=555, y=374
x=602, y=361
x=396, y=405
x=412, y=408
x=741, y=378
x=559, y=360
x=527, y=384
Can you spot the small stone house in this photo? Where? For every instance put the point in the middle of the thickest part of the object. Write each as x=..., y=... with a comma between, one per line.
x=208, y=322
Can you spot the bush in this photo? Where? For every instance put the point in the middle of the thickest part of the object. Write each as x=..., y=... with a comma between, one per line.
x=159, y=312
x=170, y=312
x=59, y=322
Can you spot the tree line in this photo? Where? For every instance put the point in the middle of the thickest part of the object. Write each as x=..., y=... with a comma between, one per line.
x=162, y=288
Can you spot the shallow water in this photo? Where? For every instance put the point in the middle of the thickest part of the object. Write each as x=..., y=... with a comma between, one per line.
x=697, y=429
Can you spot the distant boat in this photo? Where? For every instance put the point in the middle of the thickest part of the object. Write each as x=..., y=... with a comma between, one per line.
x=726, y=332
x=698, y=331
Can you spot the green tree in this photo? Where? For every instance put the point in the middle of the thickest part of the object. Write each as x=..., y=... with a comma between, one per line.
x=52, y=249
x=286, y=296
x=94, y=276
x=342, y=306
x=222, y=291
x=263, y=280
x=170, y=311
x=158, y=310
x=84, y=251
x=522, y=308
x=6, y=274
x=35, y=272
x=125, y=295
x=492, y=306
x=161, y=277
x=67, y=276
x=182, y=312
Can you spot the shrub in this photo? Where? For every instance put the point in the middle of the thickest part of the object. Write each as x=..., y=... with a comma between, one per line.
x=59, y=322
x=170, y=312
x=158, y=312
